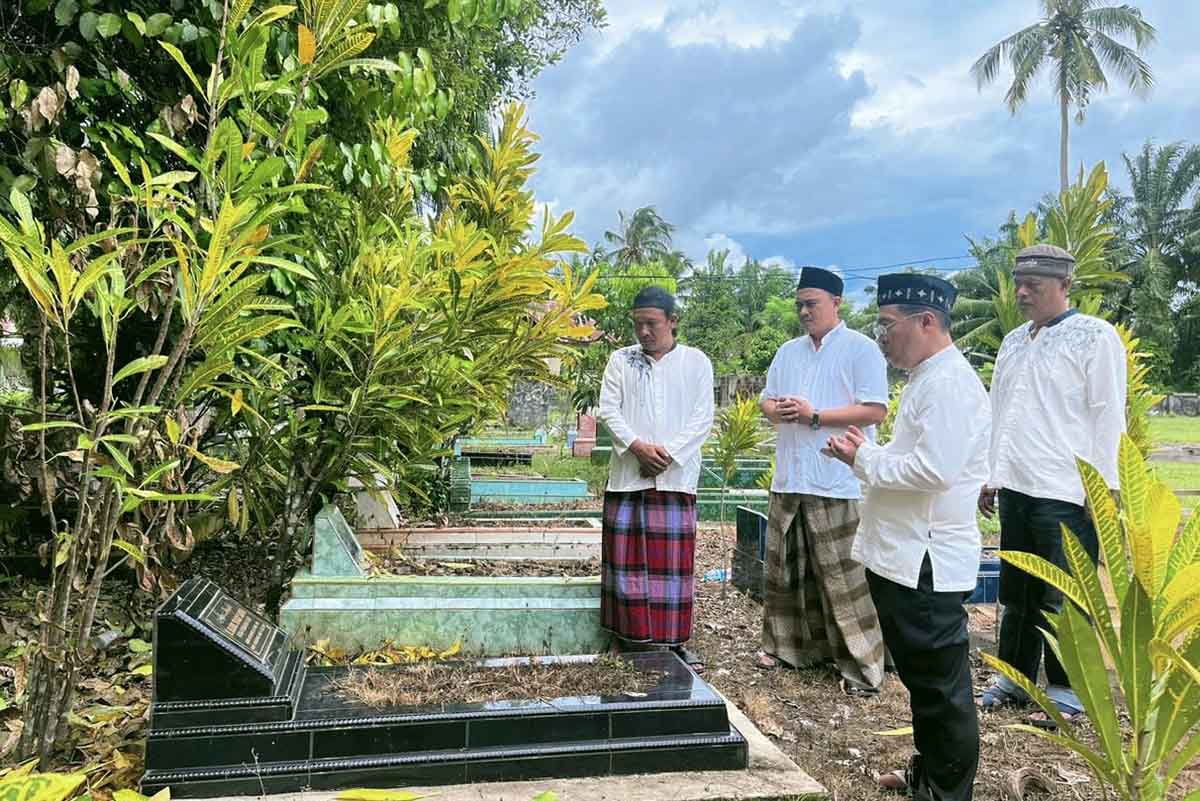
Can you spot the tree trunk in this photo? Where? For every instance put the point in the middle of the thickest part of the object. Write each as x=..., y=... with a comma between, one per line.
x=1062, y=148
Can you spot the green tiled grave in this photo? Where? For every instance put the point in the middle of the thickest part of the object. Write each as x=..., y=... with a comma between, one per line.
x=487, y=616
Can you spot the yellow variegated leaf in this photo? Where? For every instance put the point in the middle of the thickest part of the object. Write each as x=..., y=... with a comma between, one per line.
x=1107, y=521
x=216, y=465
x=451, y=651
x=1051, y=574
x=134, y=552
x=1187, y=548
x=308, y=44
x=172, y=430
x=1163, y=521
x=234, y=512
x=40, y=786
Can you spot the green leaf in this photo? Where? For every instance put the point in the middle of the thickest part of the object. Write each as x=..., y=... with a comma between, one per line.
x=51, y=424
x=157, y=23
x=137, y=21
x=65, y=11
x=141, y=365
x=1078, y=648
x=121, y=459
x=143, y=670
x=545, y=795
x=177, y=54
x=1137, y=631
x=139, y=646
x=109, y=25
x=88, y=22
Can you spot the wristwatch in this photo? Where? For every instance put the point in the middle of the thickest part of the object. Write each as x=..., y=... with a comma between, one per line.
x=815, y=422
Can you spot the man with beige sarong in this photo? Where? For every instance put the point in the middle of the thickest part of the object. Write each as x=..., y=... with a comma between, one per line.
x=817, y=605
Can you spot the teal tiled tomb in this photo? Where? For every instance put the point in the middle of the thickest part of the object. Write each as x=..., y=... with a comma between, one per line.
x=337, y=600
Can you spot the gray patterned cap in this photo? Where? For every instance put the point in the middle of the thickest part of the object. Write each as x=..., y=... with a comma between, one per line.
x=1048, y=260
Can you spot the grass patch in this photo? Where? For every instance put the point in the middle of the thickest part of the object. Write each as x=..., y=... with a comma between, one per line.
x=1181, y=476
x=553, y=465
x=1175, y=430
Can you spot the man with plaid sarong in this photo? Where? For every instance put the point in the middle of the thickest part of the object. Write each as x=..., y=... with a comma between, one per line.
x=817, y=606
x=657, y=402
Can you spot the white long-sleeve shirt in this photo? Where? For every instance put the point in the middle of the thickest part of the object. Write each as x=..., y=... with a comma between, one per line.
x=921, y=488
x=847, y=369
x=1055, y=397
x=666, y=402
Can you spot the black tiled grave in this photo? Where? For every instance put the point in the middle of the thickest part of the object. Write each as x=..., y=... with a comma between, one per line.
x=292, y=732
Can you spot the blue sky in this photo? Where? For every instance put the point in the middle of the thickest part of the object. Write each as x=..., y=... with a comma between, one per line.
x=845, y=134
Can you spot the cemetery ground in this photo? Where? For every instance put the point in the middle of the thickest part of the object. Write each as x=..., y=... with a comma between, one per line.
x=831, y=736
x=841, y=741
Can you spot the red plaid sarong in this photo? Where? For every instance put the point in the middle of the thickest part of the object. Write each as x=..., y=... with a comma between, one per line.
x=648, y=549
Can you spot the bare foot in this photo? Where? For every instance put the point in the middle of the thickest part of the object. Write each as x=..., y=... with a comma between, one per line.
x=766, y=661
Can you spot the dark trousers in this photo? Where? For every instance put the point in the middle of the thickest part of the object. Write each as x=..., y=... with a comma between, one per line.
x=1034, y=525
x=926, y=633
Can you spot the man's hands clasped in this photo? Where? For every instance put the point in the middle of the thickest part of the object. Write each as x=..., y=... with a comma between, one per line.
x=652, y=459
x=794, y=410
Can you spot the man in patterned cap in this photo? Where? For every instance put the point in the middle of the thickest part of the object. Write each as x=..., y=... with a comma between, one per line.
x=918, y=538
x=1058, y=392
x=817, y=605
x=657, y=401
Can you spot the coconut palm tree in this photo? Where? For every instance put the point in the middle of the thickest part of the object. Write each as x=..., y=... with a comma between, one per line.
x=1157, y=221
x=641, y=237
x=1075, y=41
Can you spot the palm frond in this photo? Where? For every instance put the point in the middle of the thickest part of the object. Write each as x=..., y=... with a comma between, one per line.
x=1125, y=61
x=1120, y=20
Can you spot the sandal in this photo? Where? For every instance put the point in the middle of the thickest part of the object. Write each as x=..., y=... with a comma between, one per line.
x=690, y=657
x=1071, y=713
x=764, y=661
x=856, y=690
x=995, y=697
x=895, y=781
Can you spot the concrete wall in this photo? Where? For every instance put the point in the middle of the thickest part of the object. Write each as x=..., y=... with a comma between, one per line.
x=729, y=387
x=1187, y=405
x=530, y=404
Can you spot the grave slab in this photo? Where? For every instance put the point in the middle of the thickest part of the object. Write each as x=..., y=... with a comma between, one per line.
x=209, y=737
x=482, y=615
x=769, y=776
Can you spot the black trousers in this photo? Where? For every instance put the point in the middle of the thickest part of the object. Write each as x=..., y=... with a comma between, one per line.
x=1033, y=525
x=926, y=632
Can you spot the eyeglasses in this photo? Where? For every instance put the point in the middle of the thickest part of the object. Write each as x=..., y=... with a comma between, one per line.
x=880, y=330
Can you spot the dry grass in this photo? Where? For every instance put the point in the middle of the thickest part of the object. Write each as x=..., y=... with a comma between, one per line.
x=400, y=564
x=437, y=683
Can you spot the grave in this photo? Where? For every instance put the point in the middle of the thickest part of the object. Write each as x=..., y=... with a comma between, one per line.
x=708, y=502
x=339, y=602
x=236, y=712
x=746, y=474
x=750, y=555
x=750, y=552
x=535, y=440
x=528, y=490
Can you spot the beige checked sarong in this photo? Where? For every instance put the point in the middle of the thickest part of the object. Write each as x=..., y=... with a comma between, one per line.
x=817, y=605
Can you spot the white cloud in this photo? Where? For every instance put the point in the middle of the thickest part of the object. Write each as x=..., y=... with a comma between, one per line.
x=800, y=129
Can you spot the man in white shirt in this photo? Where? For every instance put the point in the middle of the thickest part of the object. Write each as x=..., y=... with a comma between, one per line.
x=817, y=606
x=657, y=402
x=918, y=538
x=1058, y=392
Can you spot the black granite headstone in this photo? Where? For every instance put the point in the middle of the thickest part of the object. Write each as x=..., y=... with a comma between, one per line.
x=210, y=648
